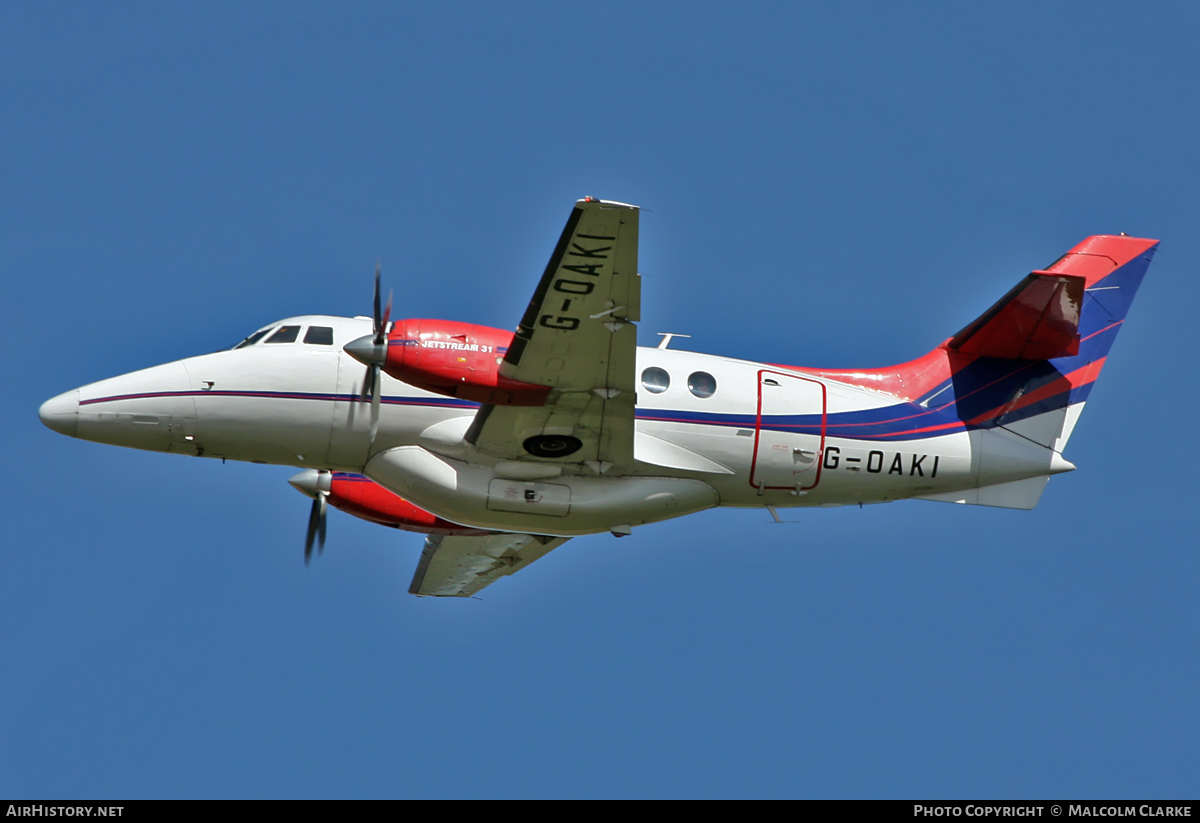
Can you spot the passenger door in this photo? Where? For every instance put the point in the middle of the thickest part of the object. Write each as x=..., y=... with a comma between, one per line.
x=789, y=434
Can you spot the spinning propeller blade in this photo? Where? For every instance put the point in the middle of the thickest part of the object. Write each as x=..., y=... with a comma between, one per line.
x=315, y=522
x=315, y=484
x=368, y=387
x=371, y=351
x=376, y=316
x=380, y=341
x=375, y=402
x=322, y=504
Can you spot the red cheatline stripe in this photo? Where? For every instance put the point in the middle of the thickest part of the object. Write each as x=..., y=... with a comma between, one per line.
x=957, y=424
x=1102, y=331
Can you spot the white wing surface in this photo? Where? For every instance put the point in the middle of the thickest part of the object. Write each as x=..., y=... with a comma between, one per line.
x=461, y=566
x=578, y=337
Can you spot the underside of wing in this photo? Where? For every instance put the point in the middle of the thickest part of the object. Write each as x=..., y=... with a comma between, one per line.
x=452, y=566
x=578, y=337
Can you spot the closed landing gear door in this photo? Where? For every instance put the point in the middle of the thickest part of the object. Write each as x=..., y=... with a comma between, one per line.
x=789, y=434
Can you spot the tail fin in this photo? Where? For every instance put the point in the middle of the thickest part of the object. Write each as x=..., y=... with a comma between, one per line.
x=1039, y=394
x=1027, y=364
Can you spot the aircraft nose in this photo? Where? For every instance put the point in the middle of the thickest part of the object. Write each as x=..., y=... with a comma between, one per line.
x=62, y=413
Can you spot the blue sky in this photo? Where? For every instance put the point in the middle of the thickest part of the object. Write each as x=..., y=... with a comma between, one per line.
x=825, y=186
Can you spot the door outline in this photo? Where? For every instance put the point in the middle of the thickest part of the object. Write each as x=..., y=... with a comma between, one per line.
x=758, y=430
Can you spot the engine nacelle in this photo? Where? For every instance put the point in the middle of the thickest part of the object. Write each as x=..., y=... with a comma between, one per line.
x=563, y=506
x=366, y=499
x=459, y=360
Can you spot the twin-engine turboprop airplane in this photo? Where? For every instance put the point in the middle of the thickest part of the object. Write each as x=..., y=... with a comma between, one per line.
x=503, y=446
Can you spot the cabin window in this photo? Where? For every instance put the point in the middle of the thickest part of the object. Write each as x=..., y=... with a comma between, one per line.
x=655, y=380
x=319, y=335
x=252, y=339
x=286, y=334
x=702, y=384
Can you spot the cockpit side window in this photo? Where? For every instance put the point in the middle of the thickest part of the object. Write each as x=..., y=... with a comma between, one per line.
x=319, y=335
x=286, y=334
x=252, y=339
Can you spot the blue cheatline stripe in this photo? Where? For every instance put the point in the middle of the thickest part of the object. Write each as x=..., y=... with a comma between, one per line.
x=903, y=421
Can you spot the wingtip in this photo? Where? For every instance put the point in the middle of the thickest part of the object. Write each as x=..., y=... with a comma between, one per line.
x=606, y=204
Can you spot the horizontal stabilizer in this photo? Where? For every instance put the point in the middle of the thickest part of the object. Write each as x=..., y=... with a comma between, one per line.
x=1037, y=320
x=1019, y=494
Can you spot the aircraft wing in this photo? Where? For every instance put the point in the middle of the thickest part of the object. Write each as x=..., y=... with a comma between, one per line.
x=578, y=337
x=461, y=566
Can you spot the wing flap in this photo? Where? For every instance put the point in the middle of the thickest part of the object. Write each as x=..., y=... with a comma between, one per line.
x=1036, y=320
x=452, y=566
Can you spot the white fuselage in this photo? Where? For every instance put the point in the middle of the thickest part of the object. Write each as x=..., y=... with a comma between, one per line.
x=298, y=404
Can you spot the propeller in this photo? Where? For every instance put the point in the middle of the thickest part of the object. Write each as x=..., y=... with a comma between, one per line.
x=314, y=484
x=371, y=351
x=316, y=528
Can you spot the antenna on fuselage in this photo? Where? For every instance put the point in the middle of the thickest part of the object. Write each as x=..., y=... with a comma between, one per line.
x=668, y=336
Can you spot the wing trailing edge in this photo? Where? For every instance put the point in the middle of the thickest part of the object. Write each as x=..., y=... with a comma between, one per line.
x=457, y=566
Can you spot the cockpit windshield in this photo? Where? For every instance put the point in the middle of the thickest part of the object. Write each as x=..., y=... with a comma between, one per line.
x=286, y=334
x=252, y=339
x=313, y=335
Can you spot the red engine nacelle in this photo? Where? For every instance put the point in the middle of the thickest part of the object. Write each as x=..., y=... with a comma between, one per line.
x=364, y=498
x=459, y=360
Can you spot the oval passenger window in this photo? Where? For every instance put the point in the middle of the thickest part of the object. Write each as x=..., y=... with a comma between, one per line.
x=655, y=380
x=702, y=384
